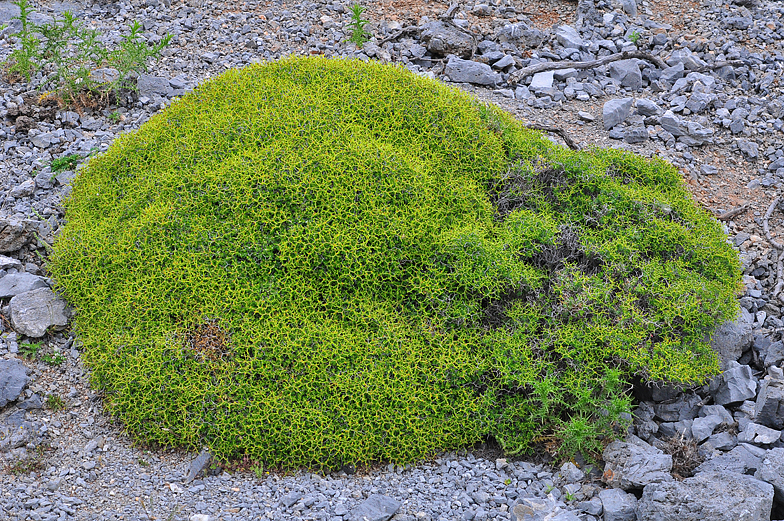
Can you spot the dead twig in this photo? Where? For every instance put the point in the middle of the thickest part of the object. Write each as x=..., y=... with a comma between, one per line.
x=720, y=65
x=554, y=130
x=516, y=76
x=726, y=216
x=780, y=247
x=398, y=34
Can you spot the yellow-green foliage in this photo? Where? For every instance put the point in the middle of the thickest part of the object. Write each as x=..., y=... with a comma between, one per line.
x=320, y=262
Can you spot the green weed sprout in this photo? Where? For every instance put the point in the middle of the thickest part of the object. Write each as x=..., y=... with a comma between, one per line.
x=29, y=350
x=357, y=26
x=321, y=262
x=66, y=53
x=54, y=402
x=634, y=37
x=68, y=162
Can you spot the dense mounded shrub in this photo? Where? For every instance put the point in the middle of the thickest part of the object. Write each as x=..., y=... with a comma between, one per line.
x=319, y=262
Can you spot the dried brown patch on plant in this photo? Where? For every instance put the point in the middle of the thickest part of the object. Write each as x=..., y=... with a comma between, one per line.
x=208, y=341
x=685, y=456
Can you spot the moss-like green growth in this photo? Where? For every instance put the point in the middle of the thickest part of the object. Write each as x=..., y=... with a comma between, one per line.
x=320, y=262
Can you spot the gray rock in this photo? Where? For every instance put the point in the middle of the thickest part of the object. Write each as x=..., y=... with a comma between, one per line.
x=627, y=73
x=673, y=124
x=105, y=75
x=733, y=337
x=152, y=86
x=737, y=384
x=618, y=505
x=34, y=402
x=17, y=432
x=593, y=506
x=672, y=74
x=16, y=283
x=698, y=102
x=569, y=37
x=586, y=116
x=570, y=473
x=43, y=141
x=542, y=80
x=629, y=7
x=13, y=380
x=197, y=465
x=563, y=74
x=376, y=508
x=521, y=34
x=634, y=465
x=685, y=407
x=522, y=92
x=15, y=233
x=34, y=312
x=772, y=471
x=758, y=434
x=503, y=63
x=702, y=428
x=291, y=498
x=685, y=56
x=536, y=509
x=743, y=459
x=722, y=441
x=647, y=107
x=466, y=71
x=769, y=408
x=715, y=496
x=616, y=111
x=680, y=429
x=9, y=262
x=442, y=40
x=636, y=135
x=749, y=149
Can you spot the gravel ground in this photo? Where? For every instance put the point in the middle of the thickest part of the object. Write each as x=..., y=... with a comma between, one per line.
x=83, y=467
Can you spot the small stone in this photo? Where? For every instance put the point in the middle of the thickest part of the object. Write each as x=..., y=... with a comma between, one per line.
x=758, y=434
x=542, y=80
x=568, y=37
x=467, y=71
x=618, y=505
x=376, y=508
x=13, y=380
x=616, y=111
x=647, y=107
x=737, y=385
x=586, y=116
x=197, y=465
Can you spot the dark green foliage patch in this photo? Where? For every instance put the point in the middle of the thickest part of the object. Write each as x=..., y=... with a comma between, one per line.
x=321, y=262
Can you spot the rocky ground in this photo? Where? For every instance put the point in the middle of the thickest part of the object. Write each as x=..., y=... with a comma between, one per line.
x=713, y=452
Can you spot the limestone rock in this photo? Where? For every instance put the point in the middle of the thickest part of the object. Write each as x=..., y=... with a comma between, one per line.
x=442, y=39
x=33, y=312
x=15, y=233
x=716, y=496
x=632, y=466
x=15, y=283
x=13, y=380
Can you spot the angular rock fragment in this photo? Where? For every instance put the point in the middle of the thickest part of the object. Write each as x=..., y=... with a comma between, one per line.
x=442, y=39
x=618, y=505
x=376, y=508
x=13, y=380
x=737, y=385
x=15, y=233
x=769, y=409
x=34, y=312
x=632, y=466
x=716, y=496
x=15, y=283
x=616, y=111
x=467, y=71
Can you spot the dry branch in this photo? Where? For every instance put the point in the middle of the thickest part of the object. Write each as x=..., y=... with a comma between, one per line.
x=555, y=130
x=516, y=76
x=726, y=216
x=780, y=247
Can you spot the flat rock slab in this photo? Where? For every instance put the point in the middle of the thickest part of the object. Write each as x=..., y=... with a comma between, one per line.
x=376, y=508
x=17, y=283
x=467, y=71
x=631, y=466
x=197, y=465
x=718, y=496
x=13, y=380
x=33, y=312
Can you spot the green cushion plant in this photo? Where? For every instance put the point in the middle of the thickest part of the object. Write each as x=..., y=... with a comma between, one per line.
x=319, y=262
